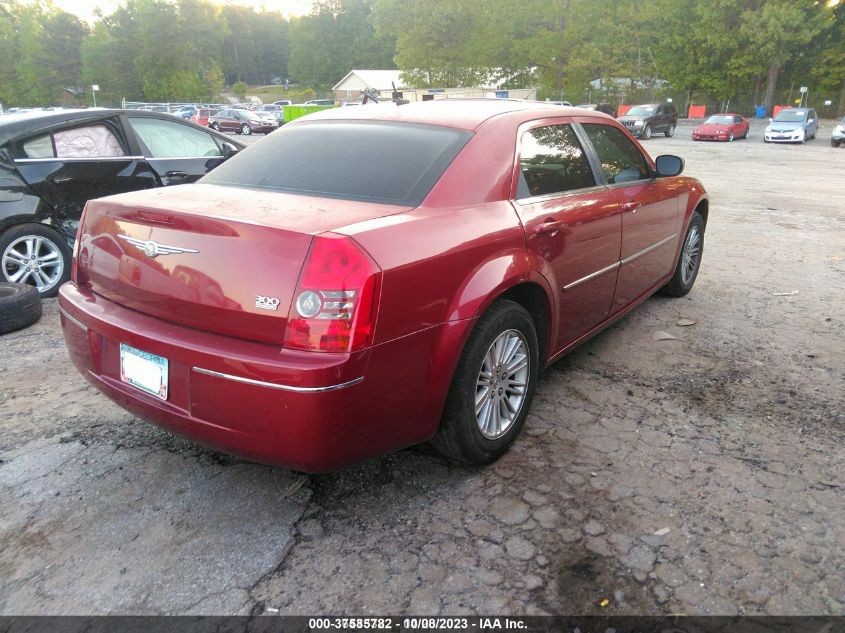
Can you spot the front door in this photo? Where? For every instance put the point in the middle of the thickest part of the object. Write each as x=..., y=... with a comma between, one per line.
x=177, y=152
x=572, y=225
x=651, y=213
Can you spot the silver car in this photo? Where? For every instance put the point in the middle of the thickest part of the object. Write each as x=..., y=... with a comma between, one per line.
x=838, y=135
x=792, y=125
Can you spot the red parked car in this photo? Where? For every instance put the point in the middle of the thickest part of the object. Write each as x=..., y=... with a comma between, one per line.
x=331, y=311
x=722, y=127
x=201, y=116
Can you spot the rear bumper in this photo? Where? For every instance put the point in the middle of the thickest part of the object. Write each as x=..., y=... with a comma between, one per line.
x=307, y=411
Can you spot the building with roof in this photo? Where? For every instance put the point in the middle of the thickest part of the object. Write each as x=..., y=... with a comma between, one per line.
x=353, y=85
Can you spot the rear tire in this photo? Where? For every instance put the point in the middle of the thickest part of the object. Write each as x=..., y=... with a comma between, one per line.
x=689, y=260
x=20, y=306
x=215, y=127
x=36, y=255
x=492, y=388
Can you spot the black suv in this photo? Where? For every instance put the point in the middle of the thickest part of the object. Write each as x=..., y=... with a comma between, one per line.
x=644, y=120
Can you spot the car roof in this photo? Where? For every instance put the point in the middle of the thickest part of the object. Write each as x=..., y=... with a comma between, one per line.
x=465, y=114
x=15, y=126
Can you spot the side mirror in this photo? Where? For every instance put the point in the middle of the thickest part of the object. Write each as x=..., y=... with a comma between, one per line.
x=229, y=150
x=668, y=165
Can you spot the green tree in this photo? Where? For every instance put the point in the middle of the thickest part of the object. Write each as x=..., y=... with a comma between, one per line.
x=239, y=90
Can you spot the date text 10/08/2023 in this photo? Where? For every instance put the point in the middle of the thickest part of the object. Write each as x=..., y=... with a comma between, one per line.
x=417, y=624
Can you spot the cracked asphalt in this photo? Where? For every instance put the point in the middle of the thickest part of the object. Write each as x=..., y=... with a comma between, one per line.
x=702, y=474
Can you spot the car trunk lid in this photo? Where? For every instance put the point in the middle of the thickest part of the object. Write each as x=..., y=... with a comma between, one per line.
x=214, y=258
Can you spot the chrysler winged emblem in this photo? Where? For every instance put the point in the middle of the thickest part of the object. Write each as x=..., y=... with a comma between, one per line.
x=154, y=249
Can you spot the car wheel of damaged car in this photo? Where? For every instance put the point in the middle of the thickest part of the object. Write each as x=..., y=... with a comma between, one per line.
x=492, y=387
x=689, y=261
x=36, y=255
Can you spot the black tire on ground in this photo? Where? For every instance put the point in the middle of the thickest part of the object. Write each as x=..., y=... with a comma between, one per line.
x=215, y=127
x=835, y=143
x=683, y=278
x=20, y=306
x=646, y=132
x=730, y=137
x=747, y=131
x=670, y=131
x=459, y=436
x=50, y=241
x=246, y=130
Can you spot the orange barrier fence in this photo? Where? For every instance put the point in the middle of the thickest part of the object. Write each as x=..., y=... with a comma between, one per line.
x=623, y=109
x=697, y=111
x=777, y=109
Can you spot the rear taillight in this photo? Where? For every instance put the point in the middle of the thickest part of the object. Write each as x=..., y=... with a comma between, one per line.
x=336, y=300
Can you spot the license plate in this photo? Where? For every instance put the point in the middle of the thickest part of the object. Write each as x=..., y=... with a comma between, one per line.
x=143, y=370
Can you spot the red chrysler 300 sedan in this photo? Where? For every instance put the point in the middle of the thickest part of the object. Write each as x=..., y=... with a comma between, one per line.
x=370, y=278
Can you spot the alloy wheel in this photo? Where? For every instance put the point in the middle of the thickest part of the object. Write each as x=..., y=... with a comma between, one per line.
x=34, y=260
x=691, y=255
x=502, y=384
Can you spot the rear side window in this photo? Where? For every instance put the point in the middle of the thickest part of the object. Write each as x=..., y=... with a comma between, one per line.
x=620, y=159
x=552, y=161
x=376, y=161
x=90, y=141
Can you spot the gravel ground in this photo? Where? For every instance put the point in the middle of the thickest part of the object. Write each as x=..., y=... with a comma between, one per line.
x=702, y=474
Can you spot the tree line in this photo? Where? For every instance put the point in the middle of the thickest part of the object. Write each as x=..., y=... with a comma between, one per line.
x=742, y=52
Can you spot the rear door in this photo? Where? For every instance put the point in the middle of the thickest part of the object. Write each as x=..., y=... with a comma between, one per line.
x=650, y=212
x=178, y=153
x=73, y=164
x=572, y=224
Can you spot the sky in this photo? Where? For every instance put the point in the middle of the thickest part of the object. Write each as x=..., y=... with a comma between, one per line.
x=85, y=8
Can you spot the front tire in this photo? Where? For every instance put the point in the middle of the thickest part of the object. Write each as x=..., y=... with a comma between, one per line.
x=215, y=127
x=731, y=137
x=646, y=132
x=37, y=255
x=492, y=388
x=670, y=132
x=835, y=143
x=246, y=130
x=689, y=261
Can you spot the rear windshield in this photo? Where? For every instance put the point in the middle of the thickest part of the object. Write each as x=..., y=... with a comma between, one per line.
x=375, y=161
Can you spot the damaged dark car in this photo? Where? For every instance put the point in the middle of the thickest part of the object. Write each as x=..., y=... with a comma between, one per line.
x=52, y=163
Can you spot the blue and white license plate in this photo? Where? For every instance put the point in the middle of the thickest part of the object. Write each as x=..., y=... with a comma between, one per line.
x=143, y=370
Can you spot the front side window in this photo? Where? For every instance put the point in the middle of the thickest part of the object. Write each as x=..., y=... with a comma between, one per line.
x=168, y=139
x=552, y=161
x=620, y=159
